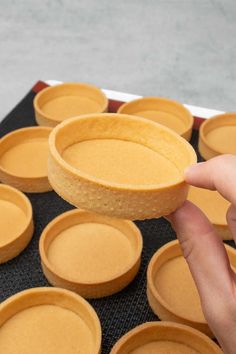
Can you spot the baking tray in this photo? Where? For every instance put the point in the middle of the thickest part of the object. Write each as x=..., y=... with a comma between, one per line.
x=118, y=313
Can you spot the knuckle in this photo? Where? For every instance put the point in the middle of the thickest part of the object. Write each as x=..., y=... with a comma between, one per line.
x=187, y=248
x=231, y=214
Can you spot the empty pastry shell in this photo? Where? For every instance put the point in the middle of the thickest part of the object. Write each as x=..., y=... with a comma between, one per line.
x=90, y=254
x=23, y=159
x=164, y=111
x=171, y=290
x=214, y=207
x=119, y=165
x=218, y=136
x=16, y=222
x=43, y=320
x=57, y=103
x=165, y=337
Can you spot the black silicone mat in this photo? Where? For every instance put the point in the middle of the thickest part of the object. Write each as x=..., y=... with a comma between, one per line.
x=118, y=313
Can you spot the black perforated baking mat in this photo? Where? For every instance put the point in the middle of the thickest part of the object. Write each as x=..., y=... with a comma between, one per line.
x=118, y=313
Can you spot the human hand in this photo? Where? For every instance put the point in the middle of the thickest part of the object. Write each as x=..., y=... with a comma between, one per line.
x=204, y=251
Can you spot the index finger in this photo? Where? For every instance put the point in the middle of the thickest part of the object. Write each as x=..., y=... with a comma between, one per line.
x=218, y=174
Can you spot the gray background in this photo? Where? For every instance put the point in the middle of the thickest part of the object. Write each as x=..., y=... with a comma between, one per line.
x=181, y=49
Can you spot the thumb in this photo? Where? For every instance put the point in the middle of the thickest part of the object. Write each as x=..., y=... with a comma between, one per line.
x=205, y=255
x=231, y=219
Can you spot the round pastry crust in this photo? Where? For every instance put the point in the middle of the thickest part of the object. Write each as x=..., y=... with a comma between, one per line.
x=43, y=318
x=217, y=136
x=165, y=337
x=16, y=222
x=118, y=165
x=91, y=254
x=171, y=290
x=163, y=111
x=23, y=159
x=57, y=103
